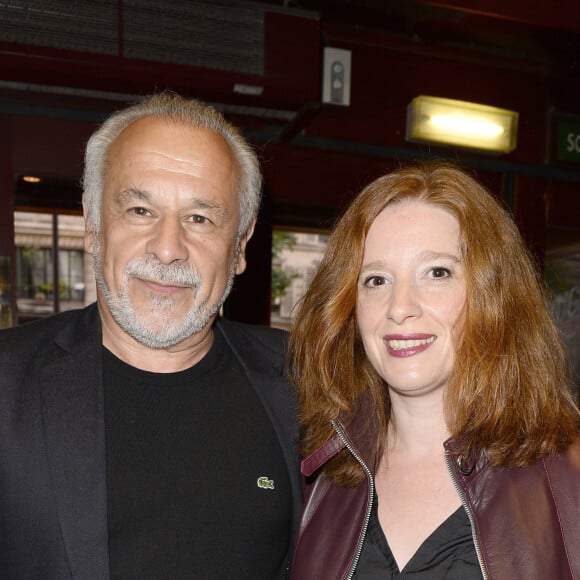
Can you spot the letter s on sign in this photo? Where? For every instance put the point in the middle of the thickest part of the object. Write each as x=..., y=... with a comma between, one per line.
x=573, y=142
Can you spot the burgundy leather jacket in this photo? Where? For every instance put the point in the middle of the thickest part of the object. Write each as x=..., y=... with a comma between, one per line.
x=525, y=521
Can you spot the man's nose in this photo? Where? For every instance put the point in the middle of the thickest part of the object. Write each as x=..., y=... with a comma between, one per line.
x=168, y=241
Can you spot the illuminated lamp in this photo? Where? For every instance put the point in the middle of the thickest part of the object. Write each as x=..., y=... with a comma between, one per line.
x=460, y=123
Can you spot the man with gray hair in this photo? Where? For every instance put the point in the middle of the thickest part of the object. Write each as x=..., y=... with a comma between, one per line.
x=143, y=437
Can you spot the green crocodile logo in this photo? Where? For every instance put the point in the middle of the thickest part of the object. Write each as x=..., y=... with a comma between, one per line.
x=265, y=483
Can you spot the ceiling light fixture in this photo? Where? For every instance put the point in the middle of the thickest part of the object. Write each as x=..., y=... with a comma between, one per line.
x=461, y=123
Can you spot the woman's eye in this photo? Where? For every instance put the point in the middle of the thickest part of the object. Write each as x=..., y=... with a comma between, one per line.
x=440, y=273
x=374, y=281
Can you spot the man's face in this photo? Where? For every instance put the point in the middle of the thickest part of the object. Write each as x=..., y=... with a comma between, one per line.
x=167, y=250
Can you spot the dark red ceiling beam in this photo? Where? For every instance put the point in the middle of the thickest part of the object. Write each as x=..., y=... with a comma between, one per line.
x=560, y=14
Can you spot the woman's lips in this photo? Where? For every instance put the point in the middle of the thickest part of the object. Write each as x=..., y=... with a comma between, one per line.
x=399, y=345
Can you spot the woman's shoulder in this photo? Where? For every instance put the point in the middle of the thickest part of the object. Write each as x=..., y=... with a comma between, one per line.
x=567, y=461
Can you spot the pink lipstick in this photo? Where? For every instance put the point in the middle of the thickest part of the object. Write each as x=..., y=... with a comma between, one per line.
x=404, y=345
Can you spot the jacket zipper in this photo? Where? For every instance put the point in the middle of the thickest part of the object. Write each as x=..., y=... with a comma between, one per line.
x=461, y=493
x=370, y=502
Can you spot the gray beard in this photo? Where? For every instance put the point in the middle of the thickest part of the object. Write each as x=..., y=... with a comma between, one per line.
x=175, y=329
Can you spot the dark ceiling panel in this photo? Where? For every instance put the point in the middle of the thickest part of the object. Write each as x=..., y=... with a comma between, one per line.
x=211, y=35
x=49, y=24
x=260, y=63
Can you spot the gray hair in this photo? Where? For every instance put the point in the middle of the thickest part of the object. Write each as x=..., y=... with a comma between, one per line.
x=174, y=108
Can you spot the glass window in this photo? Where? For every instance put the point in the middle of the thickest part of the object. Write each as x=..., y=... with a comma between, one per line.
x=295, y=257
x=36, y=245
x=562, y=275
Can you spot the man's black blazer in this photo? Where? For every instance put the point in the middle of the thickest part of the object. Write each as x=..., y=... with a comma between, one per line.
x=53, y=504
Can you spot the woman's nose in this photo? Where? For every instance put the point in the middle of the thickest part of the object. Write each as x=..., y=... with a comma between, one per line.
x=403, y=302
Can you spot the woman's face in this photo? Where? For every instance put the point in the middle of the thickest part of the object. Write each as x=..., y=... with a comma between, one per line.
x=411, y=294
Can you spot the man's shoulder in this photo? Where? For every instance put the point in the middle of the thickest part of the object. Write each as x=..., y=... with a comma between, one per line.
x=267, y=334
x=255, y=345
x=31, y=335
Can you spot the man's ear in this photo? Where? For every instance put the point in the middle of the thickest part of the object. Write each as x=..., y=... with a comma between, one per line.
x=89, y=229
x=242, y=243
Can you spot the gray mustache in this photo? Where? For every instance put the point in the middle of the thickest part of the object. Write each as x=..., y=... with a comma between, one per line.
x=168, y=273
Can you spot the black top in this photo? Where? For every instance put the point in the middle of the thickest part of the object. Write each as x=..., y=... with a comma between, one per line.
x=197, y=486
x=447, y=554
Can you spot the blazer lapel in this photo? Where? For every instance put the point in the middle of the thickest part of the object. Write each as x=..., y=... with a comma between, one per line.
x=72, y=399
x=264, y=367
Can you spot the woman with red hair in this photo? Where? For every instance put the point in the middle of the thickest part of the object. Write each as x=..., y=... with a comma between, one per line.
x=439, y=428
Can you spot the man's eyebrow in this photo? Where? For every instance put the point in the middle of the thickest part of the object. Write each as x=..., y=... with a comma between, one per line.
x=201, y=203
x=218, y=211
x=128, y=195
x=133, y=194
